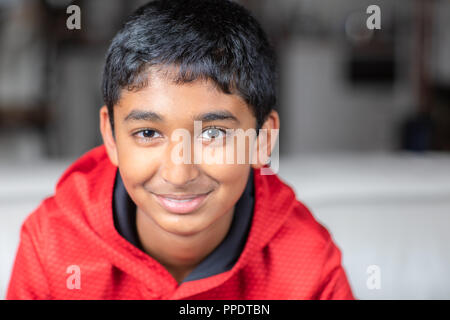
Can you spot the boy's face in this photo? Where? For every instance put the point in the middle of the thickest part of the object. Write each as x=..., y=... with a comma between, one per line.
x=143, y=150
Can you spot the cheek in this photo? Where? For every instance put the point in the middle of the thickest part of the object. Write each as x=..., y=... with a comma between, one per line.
x=232, y=172
x=227, y=173
x=237, y=149
x=137, y=165
x=232, y=179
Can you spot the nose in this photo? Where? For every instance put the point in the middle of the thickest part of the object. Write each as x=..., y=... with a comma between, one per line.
x=178, y=173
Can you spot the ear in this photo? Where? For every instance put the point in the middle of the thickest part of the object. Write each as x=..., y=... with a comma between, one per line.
x=266, y=140
x=107, y=135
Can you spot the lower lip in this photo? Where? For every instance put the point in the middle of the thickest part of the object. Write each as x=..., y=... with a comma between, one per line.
x=181, y=207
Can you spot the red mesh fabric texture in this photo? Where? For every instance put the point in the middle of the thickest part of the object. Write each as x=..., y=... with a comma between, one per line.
x=288, y=254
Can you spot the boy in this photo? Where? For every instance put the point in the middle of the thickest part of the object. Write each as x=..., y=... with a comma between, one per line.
x=128, y=221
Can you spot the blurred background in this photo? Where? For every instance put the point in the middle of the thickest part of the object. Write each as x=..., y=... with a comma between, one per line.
x=365, y=123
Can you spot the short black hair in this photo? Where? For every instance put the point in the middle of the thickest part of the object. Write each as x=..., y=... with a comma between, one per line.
x=216, y=40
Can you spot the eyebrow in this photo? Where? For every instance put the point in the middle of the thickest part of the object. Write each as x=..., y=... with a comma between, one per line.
x=141, y=115
x=216, y=115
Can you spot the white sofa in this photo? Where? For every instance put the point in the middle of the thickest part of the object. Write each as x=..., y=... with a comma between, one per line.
x=387, y=210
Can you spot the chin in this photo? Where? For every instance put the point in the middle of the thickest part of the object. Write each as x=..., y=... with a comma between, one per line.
x=177, y=225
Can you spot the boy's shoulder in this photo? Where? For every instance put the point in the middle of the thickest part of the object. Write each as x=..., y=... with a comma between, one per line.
x=79, y=190
x=301, y=239
x=300, y=223
x=302, y=253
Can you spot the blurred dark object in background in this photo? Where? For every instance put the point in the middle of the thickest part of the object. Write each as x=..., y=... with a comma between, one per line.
x=428, y=128
x=367, y=67
x=371, y=59
x=427, y=131
x=441, y=117
x=418, y=133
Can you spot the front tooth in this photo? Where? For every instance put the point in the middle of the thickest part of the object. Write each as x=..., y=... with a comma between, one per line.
x=176, y=200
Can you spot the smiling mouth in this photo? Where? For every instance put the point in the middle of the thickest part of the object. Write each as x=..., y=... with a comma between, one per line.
x=181, y=204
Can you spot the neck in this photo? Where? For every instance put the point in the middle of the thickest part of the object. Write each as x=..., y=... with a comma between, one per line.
x=180, y=254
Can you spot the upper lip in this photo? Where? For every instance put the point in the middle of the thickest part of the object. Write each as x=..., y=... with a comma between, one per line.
x=182, y=196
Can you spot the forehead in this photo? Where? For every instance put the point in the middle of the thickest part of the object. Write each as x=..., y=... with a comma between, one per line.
x=170, y=100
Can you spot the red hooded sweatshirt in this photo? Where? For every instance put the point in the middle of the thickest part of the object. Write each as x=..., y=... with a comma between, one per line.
x=287, y=255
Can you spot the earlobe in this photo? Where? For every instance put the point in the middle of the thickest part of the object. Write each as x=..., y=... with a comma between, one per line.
x=266, y=141
x=107, y=136
x=260, y=154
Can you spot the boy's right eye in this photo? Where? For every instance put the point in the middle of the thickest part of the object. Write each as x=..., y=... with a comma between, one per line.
x=146, y=134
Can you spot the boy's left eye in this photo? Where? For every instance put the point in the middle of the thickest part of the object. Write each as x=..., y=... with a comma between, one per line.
x=213, y=133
